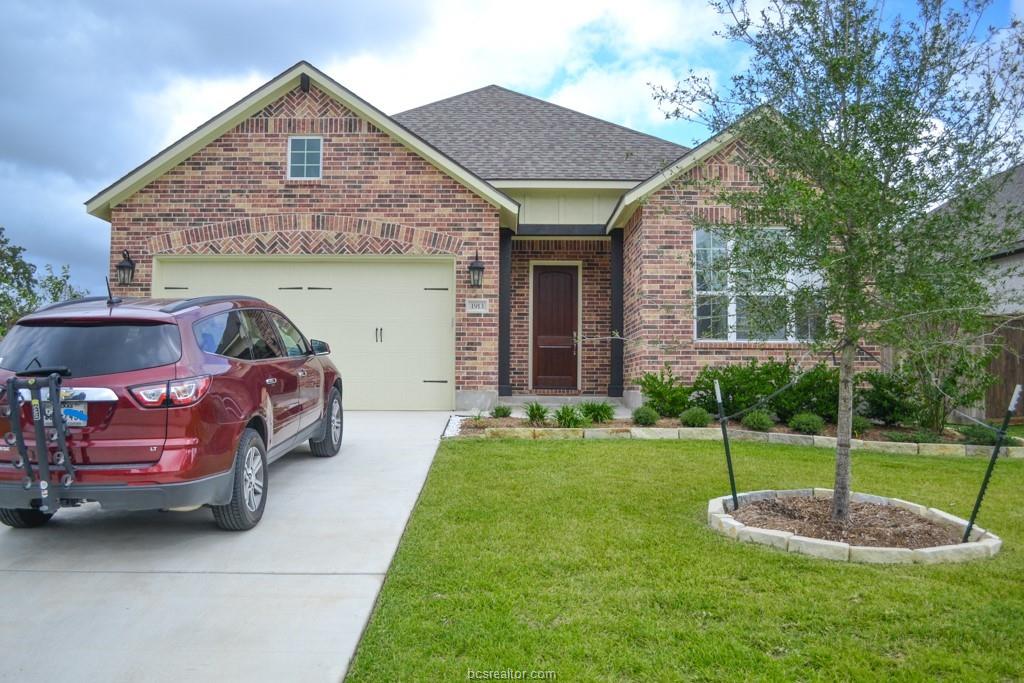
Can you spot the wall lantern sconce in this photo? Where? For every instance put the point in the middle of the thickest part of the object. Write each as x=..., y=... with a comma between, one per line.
x=476, y=272
x=125, y=269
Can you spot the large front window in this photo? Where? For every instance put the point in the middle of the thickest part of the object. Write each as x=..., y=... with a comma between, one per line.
x=720, y=315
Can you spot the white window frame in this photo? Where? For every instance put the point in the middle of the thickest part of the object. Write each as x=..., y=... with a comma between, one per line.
x=730, y=336
x=288, y=157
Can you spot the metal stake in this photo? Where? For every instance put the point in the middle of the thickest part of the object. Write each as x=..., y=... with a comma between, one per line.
x=1000, y=437
x=725, y=440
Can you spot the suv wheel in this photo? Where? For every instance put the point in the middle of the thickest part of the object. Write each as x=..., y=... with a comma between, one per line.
x=334, y=425
x=19, y=518
x=249, y=496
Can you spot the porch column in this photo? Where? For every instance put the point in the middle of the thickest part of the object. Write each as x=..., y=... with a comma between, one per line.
x=505, y=312
x=615, y=379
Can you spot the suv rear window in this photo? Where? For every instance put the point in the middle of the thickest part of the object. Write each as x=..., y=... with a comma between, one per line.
x=90, y=349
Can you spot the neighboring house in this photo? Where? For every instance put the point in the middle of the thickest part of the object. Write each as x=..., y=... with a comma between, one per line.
x=364, y=228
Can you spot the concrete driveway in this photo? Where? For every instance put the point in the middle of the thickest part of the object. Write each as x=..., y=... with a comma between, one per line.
x=107, y=596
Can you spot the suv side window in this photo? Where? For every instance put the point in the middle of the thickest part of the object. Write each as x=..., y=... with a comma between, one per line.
x=224, y=334
x=294, y=343
x=265, y=343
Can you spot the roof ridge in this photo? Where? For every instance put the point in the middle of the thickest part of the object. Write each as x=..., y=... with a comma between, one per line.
x=448, y=99
x=584, y=114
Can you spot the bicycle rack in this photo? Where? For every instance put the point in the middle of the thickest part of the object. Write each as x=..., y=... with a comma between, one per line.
x=61, y=457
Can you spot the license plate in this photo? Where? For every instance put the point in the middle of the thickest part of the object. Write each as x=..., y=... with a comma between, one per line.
x=76, y=414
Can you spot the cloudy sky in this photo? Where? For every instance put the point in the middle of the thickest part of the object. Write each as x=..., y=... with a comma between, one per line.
x=93, y=88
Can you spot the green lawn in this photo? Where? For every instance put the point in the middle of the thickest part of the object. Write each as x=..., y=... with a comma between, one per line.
x=592, y=559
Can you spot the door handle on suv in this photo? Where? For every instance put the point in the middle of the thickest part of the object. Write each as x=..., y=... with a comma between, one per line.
x=302, y=373
x=271, y=380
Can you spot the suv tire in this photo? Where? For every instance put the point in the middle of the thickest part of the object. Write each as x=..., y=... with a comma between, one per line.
x=333, y=428
x=19, y=518
x=249, y=494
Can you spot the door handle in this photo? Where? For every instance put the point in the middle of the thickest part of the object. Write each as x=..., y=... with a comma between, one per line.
x=271, y=381
x=376, y=334
x=575, y=342
x=382, y=335
x=302, y=373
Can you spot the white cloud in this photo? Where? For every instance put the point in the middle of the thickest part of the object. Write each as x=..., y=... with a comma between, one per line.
x=1018, y=8
x=620, y=95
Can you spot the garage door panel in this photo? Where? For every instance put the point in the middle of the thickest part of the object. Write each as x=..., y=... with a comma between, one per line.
x=408, y=364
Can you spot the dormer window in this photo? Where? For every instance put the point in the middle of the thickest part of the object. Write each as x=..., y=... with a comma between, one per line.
x=304, y=158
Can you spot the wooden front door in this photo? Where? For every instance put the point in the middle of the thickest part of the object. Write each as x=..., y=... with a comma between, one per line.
x=555, y=309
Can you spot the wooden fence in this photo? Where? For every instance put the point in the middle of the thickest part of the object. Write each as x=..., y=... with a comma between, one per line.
x=1008, y=367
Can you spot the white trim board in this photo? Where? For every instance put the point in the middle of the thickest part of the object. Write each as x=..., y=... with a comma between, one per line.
x=579, y=318
x=100, y=205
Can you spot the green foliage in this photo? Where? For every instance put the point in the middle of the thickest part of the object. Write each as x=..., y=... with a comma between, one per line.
x=695, y=417
x=816, y=391
x=645, y=416
x=501, y=411
x=536, y=414
x=597, y=411
x=743, y=385
x=887, y=397
x=980, y=436
x=570, y=417
x=22, y=289
x=860, y=425
x=758, y=421
x=807, y=423
x=664, y=393
x=919, y=436
x=944, y=377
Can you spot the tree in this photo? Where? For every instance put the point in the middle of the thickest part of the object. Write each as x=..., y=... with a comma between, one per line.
x=855, y=126
x=21, y=291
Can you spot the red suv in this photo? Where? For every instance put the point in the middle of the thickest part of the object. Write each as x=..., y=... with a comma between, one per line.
x=159, y=404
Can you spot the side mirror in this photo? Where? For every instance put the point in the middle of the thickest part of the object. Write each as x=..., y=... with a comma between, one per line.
x=320, y=348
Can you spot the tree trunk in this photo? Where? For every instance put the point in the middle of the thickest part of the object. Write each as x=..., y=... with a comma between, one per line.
x=844, y=429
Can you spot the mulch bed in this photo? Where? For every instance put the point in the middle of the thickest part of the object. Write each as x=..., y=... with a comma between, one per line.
x=474, y=425
x=870, y=524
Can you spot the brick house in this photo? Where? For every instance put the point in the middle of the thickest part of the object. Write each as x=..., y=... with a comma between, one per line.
x=363, y=228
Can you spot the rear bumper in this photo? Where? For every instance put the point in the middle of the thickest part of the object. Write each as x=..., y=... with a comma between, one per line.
x=212, y=490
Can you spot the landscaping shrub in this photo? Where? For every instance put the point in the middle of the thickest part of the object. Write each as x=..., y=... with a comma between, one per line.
x=920, y=436
x=815, y=391
x=501, y=411
x=860, y=425
x=742, y=385
x=758, y=421
x=977, y=435
x=570, y=417
x=695, y=417
x=645, y=416
x=887, y=397
x=536, y=414
x=597, y=411
x=664, y=393
x=807, y=423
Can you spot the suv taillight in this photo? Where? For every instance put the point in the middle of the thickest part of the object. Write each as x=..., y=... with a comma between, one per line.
x=173, y=394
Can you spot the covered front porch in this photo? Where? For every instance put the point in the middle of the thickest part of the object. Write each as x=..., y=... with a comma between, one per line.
x=560, y=308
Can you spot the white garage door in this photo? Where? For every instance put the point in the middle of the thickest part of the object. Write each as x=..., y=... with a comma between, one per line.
x=390, y=322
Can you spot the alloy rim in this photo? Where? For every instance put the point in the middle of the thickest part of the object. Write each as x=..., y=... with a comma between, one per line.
x=336, y=422
x=252, y=479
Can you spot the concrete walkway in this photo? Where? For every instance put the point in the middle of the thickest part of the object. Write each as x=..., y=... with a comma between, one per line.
x=107, y=596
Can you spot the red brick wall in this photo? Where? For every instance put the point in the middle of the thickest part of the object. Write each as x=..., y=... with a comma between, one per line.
x=594, y=255
x=375, y=197
x=658, y=279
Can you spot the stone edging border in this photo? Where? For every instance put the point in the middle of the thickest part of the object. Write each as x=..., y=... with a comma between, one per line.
x=715, y=434
x=983, y=544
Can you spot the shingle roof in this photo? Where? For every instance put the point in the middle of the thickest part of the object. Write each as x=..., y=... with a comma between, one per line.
x=504, y=135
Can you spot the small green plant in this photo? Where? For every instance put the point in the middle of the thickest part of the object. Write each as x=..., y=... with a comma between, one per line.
x=597, y=411
x=477, y=418
x=570, y=417
x=663, y=392
x=807, y=423
x=919, y=436
x=501, y=411
x=977, y=435
x=860, y=425
x=886, y=396
x=695, y=417
x=645, y=416
x=758, y=421
x=536, y=414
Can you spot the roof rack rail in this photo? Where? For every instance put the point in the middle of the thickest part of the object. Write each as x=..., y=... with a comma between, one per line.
x=70, y=302
x=200, y=300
